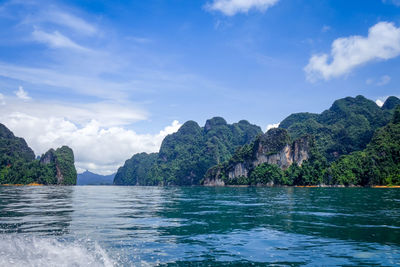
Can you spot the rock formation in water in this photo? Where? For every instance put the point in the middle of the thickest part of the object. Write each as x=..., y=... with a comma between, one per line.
x=19, y=166
x=63, y=161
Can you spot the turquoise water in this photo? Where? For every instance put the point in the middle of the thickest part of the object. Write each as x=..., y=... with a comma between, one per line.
x=146, y=226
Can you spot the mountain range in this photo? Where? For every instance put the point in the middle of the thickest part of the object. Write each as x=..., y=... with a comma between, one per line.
x=354, y=142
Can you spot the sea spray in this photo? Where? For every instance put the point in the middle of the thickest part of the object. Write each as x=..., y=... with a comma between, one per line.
x=24, y=250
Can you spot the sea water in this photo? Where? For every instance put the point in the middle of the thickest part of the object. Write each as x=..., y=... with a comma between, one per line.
x=147, y=226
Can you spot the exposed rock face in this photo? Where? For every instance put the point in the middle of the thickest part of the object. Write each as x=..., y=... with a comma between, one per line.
x=289, y=154
x=48, y=157
x=239, y=169
x=273, y=147
x=63, y=161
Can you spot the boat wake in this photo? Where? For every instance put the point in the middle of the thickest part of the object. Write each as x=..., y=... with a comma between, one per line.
x=23, y=250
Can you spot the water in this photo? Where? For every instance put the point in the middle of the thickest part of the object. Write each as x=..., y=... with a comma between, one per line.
x=146, y=226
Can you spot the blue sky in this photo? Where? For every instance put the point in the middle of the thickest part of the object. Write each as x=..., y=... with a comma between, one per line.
x=112, y=78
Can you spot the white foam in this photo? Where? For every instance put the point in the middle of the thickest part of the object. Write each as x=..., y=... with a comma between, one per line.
x=19, y=250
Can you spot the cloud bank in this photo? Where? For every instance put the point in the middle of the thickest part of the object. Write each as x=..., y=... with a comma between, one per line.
x=232, y=7
x=100, y=145
x=382, y=43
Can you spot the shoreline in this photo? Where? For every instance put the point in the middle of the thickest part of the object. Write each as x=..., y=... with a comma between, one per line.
x=235, y=186
x=30, y=184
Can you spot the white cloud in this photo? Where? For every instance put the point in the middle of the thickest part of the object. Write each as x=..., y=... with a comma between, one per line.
x=84, y=84
x=22, y=94
x=41, y=13
x=232, y=7
x=380, y=102
x=106, y=113
x=271, y=126
x=99, y=145
x=56, y=40
x=382, y=43
x=385, y=79
x=69, y=20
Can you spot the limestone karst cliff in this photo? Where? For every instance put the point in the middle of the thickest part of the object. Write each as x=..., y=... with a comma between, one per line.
x=19, y=166
x=273, y=147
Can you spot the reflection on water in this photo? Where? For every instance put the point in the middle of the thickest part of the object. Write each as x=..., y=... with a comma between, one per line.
x=152, y=225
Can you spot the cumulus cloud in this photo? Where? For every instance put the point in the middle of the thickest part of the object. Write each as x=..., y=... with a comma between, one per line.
x=22, y=94
x=100, y=145
x=232, y=7
x=380, y=102
x=270, y=126
x=382, y=43
x=55, y=40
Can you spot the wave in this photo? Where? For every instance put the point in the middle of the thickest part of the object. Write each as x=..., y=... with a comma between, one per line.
x=23, y=250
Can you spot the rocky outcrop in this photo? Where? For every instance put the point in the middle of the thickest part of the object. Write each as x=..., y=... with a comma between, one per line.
x=63, y=161
x=273, y=147
x=297, y=152
x=48, y=157
x=19, y=166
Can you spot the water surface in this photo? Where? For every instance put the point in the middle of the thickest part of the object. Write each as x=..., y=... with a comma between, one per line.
x=140, y=226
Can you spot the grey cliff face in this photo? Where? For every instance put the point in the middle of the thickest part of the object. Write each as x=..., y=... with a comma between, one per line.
x=238, y=170
x=49, y=157
x=274, y=147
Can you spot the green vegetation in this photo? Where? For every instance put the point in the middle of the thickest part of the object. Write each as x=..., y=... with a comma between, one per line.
x=377, y=164
x=64, y=161
x=19, y=166
x=136, y=170
x=355, y=142
x=346, y=127
x=186, y=155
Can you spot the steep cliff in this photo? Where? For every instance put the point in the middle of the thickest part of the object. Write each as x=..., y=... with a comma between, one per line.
x=271, y=148
x=62, y=161
x=19, y=166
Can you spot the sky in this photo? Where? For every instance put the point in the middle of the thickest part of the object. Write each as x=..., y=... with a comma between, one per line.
x=113, y=78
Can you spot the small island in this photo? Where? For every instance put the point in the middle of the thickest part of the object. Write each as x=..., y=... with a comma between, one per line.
x=18, y=165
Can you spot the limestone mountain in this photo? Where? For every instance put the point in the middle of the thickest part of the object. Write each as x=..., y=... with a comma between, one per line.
x=347, y=126
x=19, y=166
x=186, y=155
x=355, y=142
